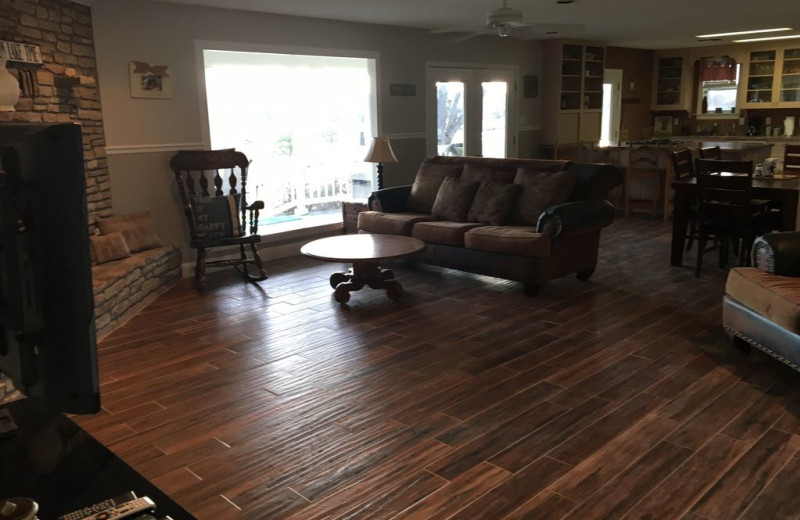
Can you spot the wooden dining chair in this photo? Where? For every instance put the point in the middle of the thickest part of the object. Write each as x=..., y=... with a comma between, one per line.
x=212, y=186
x=710, y=152
x=791, y=159
x=682, y=169
x=711, y=166
x=726, y=210
x=644, y=179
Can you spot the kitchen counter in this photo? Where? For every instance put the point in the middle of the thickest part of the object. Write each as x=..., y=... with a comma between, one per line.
x=736, y=138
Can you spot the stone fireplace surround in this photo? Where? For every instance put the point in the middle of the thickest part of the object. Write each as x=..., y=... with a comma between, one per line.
x=66, y=90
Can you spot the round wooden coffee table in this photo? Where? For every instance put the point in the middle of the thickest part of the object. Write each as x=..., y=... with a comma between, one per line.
x=365, y=252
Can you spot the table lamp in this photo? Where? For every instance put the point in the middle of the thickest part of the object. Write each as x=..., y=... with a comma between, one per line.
x=380, y=152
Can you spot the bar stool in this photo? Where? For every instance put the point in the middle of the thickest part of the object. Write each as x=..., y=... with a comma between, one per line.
x=643, y=166
x=610, y=155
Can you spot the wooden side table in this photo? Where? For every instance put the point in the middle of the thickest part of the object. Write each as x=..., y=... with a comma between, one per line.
x=350, y=211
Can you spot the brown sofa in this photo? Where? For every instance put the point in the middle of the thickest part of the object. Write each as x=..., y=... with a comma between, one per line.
x=527, y=220
x=761, y=306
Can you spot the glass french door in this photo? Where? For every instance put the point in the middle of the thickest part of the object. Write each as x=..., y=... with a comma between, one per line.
x=470, y=112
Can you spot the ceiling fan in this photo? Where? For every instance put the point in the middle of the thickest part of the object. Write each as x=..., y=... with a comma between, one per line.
x=507, y=21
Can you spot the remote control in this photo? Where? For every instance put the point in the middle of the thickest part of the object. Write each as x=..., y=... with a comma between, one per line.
x=99, y=507
x=126, y=510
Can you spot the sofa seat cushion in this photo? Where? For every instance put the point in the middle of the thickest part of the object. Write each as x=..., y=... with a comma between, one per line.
x=512, y=240
x=773, y=296
x=390, y=223
x=443, y=232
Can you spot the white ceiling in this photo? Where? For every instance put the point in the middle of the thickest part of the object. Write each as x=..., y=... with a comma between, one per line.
x=649, y=24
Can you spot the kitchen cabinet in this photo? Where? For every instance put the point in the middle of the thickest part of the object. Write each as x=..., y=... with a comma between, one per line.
x=772, y=79
x=672, y=77
x=572, y=92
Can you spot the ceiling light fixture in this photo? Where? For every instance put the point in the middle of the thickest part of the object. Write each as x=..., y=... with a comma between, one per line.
x=564, y=1
x=790, y=37
x=740, y=33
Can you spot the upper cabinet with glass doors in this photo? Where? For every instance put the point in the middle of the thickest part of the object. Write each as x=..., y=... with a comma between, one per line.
x=773, y=79
x=572, y=92
x=672, y=89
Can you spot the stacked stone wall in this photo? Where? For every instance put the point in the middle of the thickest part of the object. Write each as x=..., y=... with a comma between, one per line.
x=66, y=87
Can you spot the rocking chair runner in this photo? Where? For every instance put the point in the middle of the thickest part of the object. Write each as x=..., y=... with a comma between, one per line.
x=216, y=218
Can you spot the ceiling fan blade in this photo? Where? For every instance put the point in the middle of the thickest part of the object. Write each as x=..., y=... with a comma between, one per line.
x=445, y=30
x=561, y=28
x=466, y=37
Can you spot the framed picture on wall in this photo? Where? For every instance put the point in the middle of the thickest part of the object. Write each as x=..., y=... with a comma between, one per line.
x=662, y=126
x=150, y=81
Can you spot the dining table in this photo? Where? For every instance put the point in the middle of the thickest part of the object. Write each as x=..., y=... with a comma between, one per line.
x=783, y=189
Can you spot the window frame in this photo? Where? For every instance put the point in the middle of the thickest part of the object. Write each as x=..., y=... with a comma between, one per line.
x=721, y=115
x=202, y=45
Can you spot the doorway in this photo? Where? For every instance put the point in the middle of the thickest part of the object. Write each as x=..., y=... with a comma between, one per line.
x=471, y=111
x=612, y=107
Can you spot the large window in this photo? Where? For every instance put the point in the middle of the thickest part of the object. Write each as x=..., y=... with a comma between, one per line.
x=304, y=121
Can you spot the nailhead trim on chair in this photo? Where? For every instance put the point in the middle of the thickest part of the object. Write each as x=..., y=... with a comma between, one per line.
x=762, y=348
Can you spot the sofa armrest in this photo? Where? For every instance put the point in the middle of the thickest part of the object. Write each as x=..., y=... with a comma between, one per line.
x=575, y=218
x=390, y=200
x=778, y=253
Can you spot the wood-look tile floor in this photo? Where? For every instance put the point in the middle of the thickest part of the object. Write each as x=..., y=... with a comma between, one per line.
x=613, y=398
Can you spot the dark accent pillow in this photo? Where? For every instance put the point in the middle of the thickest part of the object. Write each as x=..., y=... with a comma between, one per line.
x=493, y=203
x=454, y=199
x=426, y=185
x=106, y=248
x=540, y=190
x=137, y=228
x=217, y=217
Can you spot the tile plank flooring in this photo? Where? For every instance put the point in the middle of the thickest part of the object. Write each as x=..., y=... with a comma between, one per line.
x=616, y=398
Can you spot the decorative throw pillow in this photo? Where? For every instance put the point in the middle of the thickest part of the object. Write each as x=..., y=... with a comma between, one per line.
x=540, y=190
x=426, y=185
x=493, y=202
x=454, y=199
x=217, y=217
x=137, y=228
x=106, y=248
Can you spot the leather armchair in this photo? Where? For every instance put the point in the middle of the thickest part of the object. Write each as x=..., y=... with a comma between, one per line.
x=761, y=306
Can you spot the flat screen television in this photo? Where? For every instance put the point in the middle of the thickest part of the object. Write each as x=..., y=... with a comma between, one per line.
x=48, y=341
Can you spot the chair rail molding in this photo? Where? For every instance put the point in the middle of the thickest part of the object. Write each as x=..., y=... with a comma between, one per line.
x=127, y=149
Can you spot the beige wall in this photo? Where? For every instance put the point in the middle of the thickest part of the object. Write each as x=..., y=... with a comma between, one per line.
x=159, y=33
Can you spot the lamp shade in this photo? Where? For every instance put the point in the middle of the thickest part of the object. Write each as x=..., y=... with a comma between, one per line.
x=380, y=151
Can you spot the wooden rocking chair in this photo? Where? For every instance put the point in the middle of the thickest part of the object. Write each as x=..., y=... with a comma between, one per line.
x=217, y=218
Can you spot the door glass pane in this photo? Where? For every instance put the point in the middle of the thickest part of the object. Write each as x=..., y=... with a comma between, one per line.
x=450, y=118
x=493, y=133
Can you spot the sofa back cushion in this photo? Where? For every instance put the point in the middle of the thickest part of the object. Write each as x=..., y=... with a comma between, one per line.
x=540, y=190
x=476, y=172
x=493, y=203
x=426, y=185
x=454, y=199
